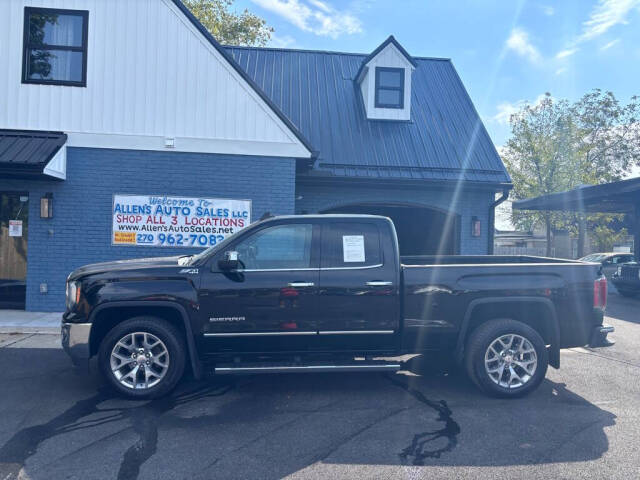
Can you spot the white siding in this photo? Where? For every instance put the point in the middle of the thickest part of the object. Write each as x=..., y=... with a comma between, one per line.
x=150, y=75
x=388, y=57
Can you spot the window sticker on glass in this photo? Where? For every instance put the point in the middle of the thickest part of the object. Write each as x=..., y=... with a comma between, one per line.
x=353, y=248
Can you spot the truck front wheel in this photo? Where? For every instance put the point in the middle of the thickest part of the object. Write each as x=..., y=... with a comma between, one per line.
x=506, y=358
x=142, y=357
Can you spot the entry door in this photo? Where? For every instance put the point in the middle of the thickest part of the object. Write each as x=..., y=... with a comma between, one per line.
x=270, y=303
x=14, y=216
x=359, y=290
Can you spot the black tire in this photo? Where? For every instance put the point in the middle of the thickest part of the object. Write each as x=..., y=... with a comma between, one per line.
x=478, y=344
x=163, y=330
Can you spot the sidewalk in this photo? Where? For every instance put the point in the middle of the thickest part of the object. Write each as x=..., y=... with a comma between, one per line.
x=19, y=321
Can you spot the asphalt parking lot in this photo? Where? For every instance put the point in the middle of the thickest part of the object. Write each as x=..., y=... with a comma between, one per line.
x=584, y=421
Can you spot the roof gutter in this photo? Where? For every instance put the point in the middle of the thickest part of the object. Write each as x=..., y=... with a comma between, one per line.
x=492, y=219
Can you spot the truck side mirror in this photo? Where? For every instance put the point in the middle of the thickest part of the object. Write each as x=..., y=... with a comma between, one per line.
x=230, y=261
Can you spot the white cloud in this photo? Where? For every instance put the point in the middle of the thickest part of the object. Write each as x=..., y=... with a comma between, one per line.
x=519, y=42
x=314, y=16
x=506, y=109
x=566, y=53
x=548, y=10
x=561, y=70
x=609, y=45
x=606, y=14
x=285, y=41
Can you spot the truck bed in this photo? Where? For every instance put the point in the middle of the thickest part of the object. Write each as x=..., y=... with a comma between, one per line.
x=439, y=291
x=479, y=260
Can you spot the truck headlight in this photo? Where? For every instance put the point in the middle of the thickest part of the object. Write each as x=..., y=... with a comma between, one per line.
x=73, y=294
x=619, y=271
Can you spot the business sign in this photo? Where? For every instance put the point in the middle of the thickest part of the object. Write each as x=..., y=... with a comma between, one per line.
x=161, y=221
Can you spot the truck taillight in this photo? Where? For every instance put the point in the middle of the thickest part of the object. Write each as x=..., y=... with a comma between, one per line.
x=600, y=293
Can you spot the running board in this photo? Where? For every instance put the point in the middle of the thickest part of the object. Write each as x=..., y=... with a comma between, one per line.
x=253, y=369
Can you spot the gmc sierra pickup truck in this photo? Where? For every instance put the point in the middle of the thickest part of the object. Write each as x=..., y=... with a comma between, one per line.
x=328, y=293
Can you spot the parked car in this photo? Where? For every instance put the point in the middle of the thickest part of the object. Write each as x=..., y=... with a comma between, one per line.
x=328, y=293
x=609, y=261
x=627, y=279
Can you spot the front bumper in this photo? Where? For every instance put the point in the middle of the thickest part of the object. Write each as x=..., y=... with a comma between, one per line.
x=75, y=341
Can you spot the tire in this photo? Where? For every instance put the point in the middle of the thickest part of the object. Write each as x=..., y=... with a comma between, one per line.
x=479, y=359
x=160, y=367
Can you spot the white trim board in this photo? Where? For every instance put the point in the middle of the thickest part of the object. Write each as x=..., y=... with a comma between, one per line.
x=185, y=144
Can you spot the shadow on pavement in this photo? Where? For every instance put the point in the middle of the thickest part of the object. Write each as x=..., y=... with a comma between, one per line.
x=623, y=308
x=271, y=426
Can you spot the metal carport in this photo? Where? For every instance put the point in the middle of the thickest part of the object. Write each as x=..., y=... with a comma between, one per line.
x=615, y=197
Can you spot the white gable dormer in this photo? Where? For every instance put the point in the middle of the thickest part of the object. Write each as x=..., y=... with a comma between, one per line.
x=385, y=82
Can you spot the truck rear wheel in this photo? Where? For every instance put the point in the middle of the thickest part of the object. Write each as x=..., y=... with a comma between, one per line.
x=506, y=358
x=143, y=357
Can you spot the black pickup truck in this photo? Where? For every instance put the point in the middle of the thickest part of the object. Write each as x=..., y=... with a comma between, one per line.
x=328, y=293
x=626, y=279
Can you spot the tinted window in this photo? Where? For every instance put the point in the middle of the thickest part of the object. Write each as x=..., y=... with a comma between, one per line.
x=279, y=247
x=55, y=46
x=350, y=245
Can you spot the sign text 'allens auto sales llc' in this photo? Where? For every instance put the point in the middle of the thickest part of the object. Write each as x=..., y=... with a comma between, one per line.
x=161, y=221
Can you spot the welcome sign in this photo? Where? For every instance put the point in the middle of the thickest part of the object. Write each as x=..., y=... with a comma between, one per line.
x=163, y=221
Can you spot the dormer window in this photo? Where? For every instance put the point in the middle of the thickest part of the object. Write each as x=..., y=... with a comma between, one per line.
x=384, y=79
x=389, y=87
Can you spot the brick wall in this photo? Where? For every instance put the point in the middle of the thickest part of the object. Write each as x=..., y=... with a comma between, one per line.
x=80, y=231
x=467, y=203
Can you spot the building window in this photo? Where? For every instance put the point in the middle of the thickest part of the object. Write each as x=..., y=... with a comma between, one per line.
x=389, y=87
x=55, y=46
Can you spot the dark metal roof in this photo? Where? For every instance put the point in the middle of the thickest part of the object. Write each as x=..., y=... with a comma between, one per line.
x=445, y=139
x=615, y=197
x=205, y=33
x=27, y=152
x=389, y=40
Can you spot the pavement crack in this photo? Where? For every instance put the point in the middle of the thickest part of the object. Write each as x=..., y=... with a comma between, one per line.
x=419, y=449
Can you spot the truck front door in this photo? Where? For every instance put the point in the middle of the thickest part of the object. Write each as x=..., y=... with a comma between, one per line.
x=270, y=302
x=359, y=288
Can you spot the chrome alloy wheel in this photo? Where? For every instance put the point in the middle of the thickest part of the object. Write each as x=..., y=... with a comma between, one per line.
x=510, y=361
x=139, y=360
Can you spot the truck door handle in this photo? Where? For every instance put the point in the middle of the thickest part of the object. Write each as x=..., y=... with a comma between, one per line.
x=379, y=284
x=301, y=284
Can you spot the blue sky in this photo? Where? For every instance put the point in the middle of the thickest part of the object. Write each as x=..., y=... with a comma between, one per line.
x=506, y=52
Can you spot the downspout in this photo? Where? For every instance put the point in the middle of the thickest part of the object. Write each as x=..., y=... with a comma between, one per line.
x=492, y=219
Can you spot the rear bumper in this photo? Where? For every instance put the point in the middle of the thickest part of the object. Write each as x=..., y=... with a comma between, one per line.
x=75, y=341
x=599, y=336
x=625, y=283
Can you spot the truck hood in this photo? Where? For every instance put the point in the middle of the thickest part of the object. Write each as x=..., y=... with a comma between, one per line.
x=125, y=265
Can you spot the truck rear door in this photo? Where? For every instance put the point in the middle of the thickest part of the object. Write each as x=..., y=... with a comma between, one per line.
x=359, y=300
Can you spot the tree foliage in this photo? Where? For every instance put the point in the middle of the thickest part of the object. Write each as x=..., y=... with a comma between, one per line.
x=230, y=27
x=557, y=145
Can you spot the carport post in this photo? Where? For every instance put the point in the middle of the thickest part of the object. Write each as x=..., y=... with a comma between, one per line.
x=582, y=233
x=636, y=233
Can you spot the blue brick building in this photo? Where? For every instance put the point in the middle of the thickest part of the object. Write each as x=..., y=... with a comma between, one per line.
x=291, y=131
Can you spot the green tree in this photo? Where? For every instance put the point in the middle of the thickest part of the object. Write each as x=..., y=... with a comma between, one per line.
x=557, y=146
x=229, y=27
